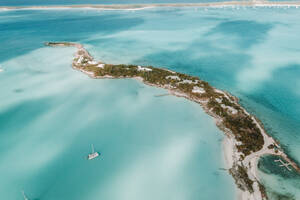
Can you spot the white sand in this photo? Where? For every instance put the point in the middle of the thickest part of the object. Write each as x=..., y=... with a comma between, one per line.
x=92, y=62
x=133, y=7
x=101, y=65
x=228, y=149
x=189, y=81
x=230, y=109
x=80, y=60
x=218, y=100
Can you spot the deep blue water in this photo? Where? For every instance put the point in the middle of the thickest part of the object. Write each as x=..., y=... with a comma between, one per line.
x=250, y=52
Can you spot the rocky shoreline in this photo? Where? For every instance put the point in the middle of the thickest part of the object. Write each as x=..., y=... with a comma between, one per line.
x=246, y=138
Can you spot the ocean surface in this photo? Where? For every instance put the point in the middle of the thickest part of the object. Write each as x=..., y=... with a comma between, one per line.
x=162, y=148
x=151, y=147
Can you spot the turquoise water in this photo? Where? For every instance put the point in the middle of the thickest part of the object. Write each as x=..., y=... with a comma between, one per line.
x=251, y=52
x=162, y=148
x=253, y=57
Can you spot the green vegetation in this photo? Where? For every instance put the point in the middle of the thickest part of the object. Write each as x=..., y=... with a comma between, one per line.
x=240, y=123
x=246, y=132
x=263, y=191
x=241, y=178
x=67, y=44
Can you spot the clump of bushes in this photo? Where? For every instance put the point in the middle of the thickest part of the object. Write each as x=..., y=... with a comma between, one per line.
x=241, y=178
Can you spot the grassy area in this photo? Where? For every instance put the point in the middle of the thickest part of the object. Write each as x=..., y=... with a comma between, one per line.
x=67, y=44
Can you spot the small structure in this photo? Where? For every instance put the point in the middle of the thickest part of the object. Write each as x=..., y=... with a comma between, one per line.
x=283, y=164
x=93, y=155
x=161, y=95
x=140, y=68
x=101, y=65
x=199, y=90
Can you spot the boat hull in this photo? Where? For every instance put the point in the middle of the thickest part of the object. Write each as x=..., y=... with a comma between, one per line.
x=93, y=155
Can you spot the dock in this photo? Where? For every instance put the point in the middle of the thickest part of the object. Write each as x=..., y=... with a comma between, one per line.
x=283, y=164
x=161, y=95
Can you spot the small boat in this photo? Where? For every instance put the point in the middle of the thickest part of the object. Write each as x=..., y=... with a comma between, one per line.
x=24, y=196
x=94, y=154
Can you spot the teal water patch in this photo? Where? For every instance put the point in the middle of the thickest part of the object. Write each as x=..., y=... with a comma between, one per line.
x=151, y=147
x=244, y=31
x=20, y=27
x=269, y=165
x=279, y=181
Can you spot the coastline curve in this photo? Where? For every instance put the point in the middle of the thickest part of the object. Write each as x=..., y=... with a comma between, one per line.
x=245, y=134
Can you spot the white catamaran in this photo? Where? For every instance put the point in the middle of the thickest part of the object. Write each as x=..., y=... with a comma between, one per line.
x=94, y=154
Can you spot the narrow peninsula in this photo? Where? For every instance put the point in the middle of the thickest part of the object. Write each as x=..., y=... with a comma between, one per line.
x=246, y=139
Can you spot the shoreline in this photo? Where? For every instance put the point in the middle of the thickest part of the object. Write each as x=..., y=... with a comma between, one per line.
x=158, y=5
x=240, y=156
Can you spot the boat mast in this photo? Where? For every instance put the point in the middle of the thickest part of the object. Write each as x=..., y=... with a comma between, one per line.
x=93, y=150
x=24, y=196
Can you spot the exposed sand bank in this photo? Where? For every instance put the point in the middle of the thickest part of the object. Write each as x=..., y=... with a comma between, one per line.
x=147, y=6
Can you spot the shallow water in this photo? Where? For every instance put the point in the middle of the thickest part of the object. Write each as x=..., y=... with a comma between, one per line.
x=281, y=183
x=151, y=147
x=251, y=52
